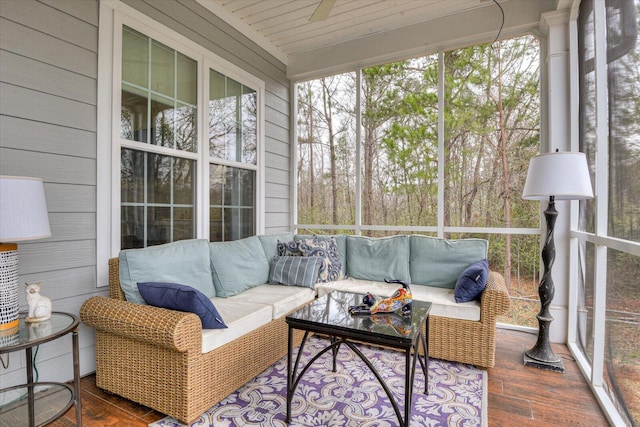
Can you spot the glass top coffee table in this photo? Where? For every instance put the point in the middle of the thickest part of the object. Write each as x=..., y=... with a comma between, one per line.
x=329, y=315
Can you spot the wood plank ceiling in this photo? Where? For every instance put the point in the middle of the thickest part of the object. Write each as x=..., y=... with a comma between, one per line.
x=284, y=25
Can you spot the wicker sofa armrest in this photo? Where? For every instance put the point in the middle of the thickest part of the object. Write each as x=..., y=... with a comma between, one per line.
x=175, y=330
x=495, y=298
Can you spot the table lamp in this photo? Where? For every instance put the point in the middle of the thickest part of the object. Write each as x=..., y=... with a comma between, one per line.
x=23, y=216
x=561, y=176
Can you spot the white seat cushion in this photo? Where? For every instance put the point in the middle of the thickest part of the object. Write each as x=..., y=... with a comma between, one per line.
x=442, y=300
x=241, y=317
x=251, y=309
x=282, y=299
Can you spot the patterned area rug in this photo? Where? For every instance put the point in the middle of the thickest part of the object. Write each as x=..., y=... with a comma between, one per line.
x=352, y=396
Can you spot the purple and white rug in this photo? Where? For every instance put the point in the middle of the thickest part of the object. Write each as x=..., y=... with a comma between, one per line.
x=352, y=396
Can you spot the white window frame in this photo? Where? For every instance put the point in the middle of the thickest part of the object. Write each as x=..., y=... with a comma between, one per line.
x=113, y=15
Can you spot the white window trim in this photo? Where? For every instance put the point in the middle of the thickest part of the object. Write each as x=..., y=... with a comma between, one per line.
x=114, y=14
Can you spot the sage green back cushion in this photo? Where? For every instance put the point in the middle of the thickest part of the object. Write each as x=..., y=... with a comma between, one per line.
x=238, y=265
x=270, y=243
x=377, y=259
x=185, y=262
x=439, y=262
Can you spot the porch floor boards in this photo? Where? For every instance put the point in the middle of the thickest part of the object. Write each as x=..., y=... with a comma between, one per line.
x=518, y=395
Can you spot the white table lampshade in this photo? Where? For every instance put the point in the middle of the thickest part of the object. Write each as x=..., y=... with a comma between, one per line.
x=23, y=216
x=564, y=175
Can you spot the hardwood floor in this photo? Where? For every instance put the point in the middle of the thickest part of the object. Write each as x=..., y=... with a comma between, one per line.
x=523, y=396
x=518, y=395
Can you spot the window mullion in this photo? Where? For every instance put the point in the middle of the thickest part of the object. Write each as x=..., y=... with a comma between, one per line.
x=441, y=154
x=145, y=205
x=202, y=208
x=358, y=195
x=150, y=148
x=148, y=124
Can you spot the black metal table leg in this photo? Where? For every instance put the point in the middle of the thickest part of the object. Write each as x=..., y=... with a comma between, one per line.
x=289, y=375
x=30, y=387
x=408, y=386
x=76, y=378
x=425, y=347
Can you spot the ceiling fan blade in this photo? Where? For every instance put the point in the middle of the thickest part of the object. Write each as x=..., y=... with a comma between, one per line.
x=322, y=11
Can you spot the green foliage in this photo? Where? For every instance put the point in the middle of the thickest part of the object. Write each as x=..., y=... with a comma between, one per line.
x=490, y=92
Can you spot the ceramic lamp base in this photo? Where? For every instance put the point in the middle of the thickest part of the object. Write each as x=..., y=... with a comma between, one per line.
x=9, y=297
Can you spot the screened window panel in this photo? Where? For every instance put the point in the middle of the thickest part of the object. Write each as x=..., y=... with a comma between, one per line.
x=488, y=146
x=133, y=114
x=132, y=228
x=158, y=198
x=586, y=283
x=186, y=83
x=163, y=122
x=232, y=203
x=249, y=120
x=132, y=166
x=162, y=67
x=232, y=120
x=159, y=106
x=135, y=57
x=159, y=94
x=158, y=225
x=400, y=143
x=326, y=151
x=622, y=316
x=623, y=78
x=185, y=128
x=587, y=117
x=622, y=332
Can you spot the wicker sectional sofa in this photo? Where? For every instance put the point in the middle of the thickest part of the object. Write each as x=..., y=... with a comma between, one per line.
x=165, y=360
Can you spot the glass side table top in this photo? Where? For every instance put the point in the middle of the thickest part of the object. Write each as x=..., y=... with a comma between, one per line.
x=332, y=310
x=32, y=334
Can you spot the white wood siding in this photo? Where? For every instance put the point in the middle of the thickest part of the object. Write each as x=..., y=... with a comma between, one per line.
x=48, y=98
x=48, y=68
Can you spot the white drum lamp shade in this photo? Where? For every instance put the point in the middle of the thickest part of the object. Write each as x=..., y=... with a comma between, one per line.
x=23, y=216
x=564, y=175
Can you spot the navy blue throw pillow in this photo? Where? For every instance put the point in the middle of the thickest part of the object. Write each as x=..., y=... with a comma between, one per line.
x=471, y=282
x=182, y=298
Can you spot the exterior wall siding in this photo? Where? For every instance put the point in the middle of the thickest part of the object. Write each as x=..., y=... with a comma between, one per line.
x=48, y=98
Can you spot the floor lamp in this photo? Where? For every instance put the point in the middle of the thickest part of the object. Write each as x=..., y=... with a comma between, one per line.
x=556, y=176
x=23, y=216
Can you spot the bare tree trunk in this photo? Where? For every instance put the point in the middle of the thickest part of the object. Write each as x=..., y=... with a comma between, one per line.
x=368, y=150
x=306, y=193
x=471, y=195
x=326, y=97
x=312, y=179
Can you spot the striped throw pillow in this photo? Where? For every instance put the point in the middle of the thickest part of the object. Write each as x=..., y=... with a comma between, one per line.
x=295, y=271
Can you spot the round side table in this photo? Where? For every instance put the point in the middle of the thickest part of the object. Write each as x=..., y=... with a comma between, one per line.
x=35, y=404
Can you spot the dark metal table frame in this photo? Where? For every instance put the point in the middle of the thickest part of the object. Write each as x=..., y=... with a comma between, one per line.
x=26, y=343
x=348, y=336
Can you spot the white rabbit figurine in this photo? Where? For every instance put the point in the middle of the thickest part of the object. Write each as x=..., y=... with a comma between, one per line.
x=39, y=305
